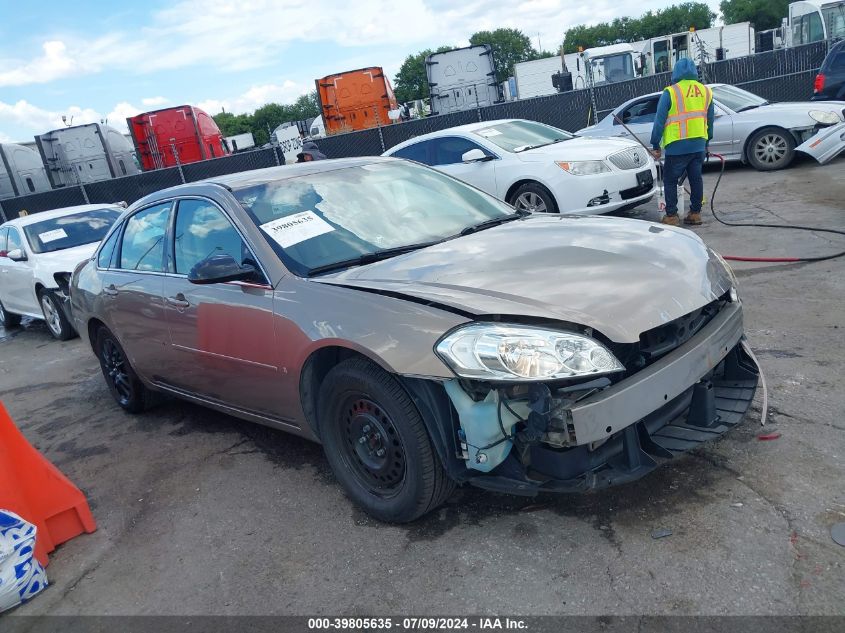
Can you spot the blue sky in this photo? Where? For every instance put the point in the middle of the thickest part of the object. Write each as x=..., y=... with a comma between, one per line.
x=96, y=60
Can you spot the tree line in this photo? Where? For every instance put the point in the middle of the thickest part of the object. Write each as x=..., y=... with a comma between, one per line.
x=511, y=46
x=268, y=117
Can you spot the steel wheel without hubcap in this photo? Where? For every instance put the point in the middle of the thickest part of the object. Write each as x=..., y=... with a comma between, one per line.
x=530, y=201
x=114, y=366
x=51, y=315
x=372, y=446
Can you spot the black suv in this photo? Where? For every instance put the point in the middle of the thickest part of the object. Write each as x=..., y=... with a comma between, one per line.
x=830, y=82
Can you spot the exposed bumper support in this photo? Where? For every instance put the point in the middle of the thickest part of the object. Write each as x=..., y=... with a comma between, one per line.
x=699, y=414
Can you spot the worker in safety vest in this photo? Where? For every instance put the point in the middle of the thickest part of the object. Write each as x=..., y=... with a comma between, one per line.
x=683, y=127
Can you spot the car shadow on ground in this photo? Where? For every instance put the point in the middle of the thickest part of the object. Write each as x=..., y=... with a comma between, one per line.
x=644, y=504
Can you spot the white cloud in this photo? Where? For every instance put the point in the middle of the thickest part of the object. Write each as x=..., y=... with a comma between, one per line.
x=32, y=120
x=154, y=101
x=237, y=36
x=256, y=97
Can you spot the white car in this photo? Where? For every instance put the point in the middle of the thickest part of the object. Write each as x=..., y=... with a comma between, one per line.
x=38, y=253
x=537, y=167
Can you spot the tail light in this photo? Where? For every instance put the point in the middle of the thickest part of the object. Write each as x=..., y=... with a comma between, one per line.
x=819, y=85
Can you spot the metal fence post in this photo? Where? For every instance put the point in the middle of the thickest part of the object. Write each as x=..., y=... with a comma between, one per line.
x=178, y=162
x=276, y=156
x=81, y=186
x=380, y=134
x=3, y=213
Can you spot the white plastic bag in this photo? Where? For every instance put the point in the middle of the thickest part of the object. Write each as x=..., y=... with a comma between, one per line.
x=21, y=575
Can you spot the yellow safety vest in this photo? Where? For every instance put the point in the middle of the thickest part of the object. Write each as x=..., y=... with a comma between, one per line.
x=688, y=114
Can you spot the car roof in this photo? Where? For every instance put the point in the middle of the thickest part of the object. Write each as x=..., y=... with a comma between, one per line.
x=58, y=213
x=243, y=179
x=469, y=127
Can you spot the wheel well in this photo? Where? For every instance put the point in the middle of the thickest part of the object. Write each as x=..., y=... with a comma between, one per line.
x=314, y=371
x=429, y=398
x=38, y=288
x=93, y=326
x=760, y=129
x=528, y=181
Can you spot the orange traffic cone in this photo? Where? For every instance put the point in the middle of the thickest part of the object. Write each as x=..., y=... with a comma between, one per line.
x=36, y=490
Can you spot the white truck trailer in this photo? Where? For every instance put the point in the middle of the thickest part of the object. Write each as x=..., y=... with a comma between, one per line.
x=462, y=79
x=21, y=171
x=86, y=153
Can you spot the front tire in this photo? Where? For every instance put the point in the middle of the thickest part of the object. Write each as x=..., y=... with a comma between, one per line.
x=123, y=383
x=771, y=149
x=534, y=197
x=377, y=444
x=7, y=319
x=54, y=315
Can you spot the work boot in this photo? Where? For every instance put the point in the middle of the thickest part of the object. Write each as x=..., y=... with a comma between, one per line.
x=693, y=218
x=671, y=220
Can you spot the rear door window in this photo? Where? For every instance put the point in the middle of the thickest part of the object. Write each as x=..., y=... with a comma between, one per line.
x=142, y=247
x=3, y=242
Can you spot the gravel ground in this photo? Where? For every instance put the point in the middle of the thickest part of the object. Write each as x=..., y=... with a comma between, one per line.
x=200, y=513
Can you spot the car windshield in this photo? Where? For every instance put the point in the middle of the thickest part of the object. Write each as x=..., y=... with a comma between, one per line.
x=325, y=219
x=518, y=136
x=76, y=229
x=737, y=99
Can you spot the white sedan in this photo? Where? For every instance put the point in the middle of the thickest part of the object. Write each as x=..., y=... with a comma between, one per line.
x=537, y=167
x=37, y=254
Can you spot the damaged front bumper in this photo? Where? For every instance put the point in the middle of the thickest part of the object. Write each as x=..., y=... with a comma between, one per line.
x=692, y=395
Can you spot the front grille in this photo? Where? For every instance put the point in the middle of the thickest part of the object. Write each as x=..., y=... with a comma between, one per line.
x=634, y=158
x=661, y=340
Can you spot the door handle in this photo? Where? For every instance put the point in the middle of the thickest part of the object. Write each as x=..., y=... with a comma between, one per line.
x=179, y=301
x=110, y=290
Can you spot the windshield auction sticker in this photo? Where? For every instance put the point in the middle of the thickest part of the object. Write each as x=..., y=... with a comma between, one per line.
x=52, y=236
x=293, y=229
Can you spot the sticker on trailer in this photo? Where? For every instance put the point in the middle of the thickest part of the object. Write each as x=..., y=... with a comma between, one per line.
x=293, y=229
x=52, y=236
x=290, y=142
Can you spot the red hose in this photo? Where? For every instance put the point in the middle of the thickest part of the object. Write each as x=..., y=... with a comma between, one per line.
x=773, y=260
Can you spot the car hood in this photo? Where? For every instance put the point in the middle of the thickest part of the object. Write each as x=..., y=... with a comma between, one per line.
x=578, y=149
x=621, y=277
x=796, y=108
x=63, y=261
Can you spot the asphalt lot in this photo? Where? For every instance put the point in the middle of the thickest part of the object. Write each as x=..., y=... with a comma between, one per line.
x=200, y=513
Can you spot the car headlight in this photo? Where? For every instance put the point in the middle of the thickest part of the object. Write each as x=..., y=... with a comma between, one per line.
x=583, y=167
x=824, y=117
x=489, y=351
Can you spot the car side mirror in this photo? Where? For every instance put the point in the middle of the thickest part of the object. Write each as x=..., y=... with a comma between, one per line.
x=475, y=156
x=16, y=255
x=220, y=269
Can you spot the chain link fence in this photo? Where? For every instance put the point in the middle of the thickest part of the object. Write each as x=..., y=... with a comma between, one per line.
x=781, y=75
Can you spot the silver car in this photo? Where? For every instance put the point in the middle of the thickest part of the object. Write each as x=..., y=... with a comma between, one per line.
x=747, y=127
x=426, y=333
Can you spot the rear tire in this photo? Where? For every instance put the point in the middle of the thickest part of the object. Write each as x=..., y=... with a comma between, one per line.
x=377, y=443
x=770, y=149
x=7, y=319
x=534, y=197
x=54, y=315
x=125, y=386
